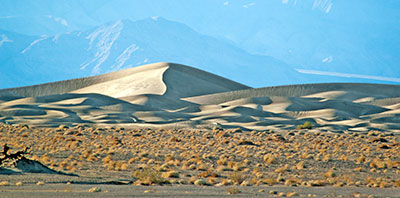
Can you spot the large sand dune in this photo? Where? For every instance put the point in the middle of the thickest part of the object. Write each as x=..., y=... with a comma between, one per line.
x=170, y=94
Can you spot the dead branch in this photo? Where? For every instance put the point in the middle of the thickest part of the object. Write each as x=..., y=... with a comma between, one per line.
x=14, y=156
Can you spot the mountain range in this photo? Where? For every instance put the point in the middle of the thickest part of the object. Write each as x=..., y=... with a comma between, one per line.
x=123, y=44
x=302, y=42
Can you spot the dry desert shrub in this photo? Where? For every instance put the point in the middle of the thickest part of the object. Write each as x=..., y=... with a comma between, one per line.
x=200, y=182
x=306, y=125
x=212, y=181
x=327, y=158
x=377, y=163
x=292, y=194
x=359, y=169
x=396, y=183
x=149, y=175
x=269, y=181
x=40, y=183
x=360, y=160
x=269, y=159
x=206, y=174
x=63, y=164
x=237, y=177
x=106, y=159
x=202, y=167
x=305, y=156
x=170, y=174
x=392, y=164
x=293, y=182
x=300, y=165
x=316, y=183
x=282, y=169
x=343, y=157
x=233, y=190
x=131, y=160
x=330, y=174
x=95, y=189
x=377, y=182
x=222, y=161
x=4, y=183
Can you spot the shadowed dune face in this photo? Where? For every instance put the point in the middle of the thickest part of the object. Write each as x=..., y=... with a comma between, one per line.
x=53, y=110
x=166, y=94
x=333, y=106
x=183, y=81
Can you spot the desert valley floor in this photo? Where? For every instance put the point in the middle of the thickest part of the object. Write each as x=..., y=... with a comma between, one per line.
x=174, y=125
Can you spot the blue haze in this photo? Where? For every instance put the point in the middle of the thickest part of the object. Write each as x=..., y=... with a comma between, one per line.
x=255, y=42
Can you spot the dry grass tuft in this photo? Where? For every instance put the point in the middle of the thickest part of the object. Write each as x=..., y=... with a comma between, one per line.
x=300, y=165
x=149, y=176
x=237, y=177
x=269, y=159
x=95, y=189
x=170, y=174
x=330, y=174
x=292, y=194
x=4, y=183
x=270, y=181
x=40, y=183
x=377, y=163
x=200, y=182
x=306, y=125
x=282, y=169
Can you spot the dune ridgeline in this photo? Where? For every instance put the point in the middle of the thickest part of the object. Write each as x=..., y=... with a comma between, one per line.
x=173, y=95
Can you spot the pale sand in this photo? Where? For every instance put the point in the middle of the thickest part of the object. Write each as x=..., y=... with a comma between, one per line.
x=167, y=94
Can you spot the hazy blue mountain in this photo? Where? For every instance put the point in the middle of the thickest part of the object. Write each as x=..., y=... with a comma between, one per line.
x=47, y=17
x=356, y=37
x=35, y=25
x=122, y=44
x=11, y=44
x=339, y=36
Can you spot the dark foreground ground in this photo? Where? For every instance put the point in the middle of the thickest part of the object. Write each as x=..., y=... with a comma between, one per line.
x=82, y=190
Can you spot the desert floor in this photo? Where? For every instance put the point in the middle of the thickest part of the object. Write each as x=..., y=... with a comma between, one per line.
x=82, y=190
x=187, y=162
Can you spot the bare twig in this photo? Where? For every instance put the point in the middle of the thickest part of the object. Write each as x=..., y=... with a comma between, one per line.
x=14, y=156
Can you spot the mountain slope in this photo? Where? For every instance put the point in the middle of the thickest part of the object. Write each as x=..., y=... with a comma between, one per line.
x=352, y=37
x=123, y=44
x=11, y=44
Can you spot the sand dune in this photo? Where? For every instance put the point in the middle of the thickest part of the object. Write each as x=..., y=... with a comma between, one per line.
x=176, y=95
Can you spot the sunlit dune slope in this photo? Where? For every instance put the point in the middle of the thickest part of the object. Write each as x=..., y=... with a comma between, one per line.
x=167, y=94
